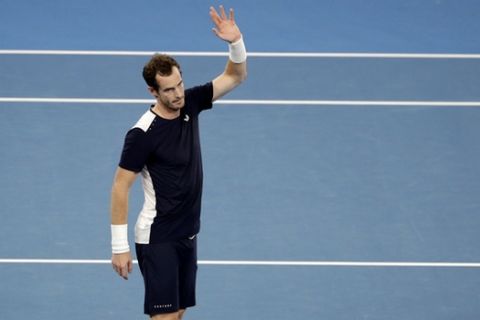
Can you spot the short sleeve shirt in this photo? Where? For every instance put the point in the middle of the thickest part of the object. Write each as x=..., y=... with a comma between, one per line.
x=168, y=154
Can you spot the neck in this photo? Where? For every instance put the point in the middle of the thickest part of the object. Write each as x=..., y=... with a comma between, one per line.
x=165, y=112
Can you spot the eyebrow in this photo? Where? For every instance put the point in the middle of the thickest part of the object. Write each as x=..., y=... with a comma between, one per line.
x=170, y=88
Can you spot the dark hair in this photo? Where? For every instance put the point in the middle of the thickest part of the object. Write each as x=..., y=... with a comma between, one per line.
x=161, y=64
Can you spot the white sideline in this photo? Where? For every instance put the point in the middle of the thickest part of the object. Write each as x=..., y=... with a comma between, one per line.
x=413, y=103
x=374, y=55
x=268, y=263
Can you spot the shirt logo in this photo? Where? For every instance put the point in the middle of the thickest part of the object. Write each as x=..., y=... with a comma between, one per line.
x=186, y=118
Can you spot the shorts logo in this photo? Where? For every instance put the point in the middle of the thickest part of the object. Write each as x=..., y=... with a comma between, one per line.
x=162, y=306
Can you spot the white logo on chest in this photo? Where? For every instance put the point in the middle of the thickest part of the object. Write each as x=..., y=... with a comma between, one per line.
x=187, y=117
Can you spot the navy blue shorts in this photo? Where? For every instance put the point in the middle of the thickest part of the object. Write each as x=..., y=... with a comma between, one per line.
x=169, y=273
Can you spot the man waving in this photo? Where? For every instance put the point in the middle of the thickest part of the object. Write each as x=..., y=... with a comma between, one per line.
x=164, y=148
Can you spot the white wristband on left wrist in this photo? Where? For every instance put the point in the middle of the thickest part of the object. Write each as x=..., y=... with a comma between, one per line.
x=237, y=51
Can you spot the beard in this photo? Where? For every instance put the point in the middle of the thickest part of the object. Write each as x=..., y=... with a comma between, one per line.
x=174, y=105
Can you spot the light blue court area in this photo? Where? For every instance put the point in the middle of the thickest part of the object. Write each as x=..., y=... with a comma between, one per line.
x=440, y=26
x=335, y=187
x=277, y=78
x=295, y=183
x=79, y=292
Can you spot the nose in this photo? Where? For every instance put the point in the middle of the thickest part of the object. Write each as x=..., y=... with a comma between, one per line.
x=178, y=92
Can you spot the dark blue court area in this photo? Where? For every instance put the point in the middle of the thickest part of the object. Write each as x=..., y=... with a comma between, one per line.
x=336, y=187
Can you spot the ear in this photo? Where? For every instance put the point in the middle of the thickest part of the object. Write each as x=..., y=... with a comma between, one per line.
x=153, y=92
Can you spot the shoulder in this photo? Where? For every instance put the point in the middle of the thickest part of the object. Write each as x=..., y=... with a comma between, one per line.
x=200, y=97
x=201, y=91
x=139, y=134
x=145, y=121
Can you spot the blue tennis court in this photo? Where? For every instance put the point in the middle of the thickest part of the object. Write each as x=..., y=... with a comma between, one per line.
x=342, y=179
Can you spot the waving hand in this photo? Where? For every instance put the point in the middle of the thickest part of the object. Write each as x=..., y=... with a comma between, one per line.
x=225, y=27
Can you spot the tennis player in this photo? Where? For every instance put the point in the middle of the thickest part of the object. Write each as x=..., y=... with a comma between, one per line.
x=164, y=147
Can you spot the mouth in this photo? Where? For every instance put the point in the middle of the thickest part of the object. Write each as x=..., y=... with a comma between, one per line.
x=178, y=101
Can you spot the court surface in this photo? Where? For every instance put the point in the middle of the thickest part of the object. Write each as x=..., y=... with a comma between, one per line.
x=342, y=179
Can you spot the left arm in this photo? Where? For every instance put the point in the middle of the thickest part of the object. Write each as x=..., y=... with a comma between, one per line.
x=236, y=69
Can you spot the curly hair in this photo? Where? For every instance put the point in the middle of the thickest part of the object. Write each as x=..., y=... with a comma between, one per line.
x=161, y=64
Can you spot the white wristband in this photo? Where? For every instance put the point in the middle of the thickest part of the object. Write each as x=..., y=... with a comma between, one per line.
x=119, y=238
x=237, y=51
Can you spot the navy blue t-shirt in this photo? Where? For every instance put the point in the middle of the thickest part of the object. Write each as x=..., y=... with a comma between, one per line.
x=168, y=155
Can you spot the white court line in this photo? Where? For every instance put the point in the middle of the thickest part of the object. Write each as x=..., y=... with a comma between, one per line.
x=354, y=103
x=267, y=263
x=76, y=100
x=251, y=54
x=256, y=102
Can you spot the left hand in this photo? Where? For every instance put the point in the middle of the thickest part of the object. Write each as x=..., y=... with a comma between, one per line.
x=225, y=27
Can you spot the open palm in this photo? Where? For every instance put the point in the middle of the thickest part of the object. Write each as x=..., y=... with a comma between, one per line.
x=225, y=27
